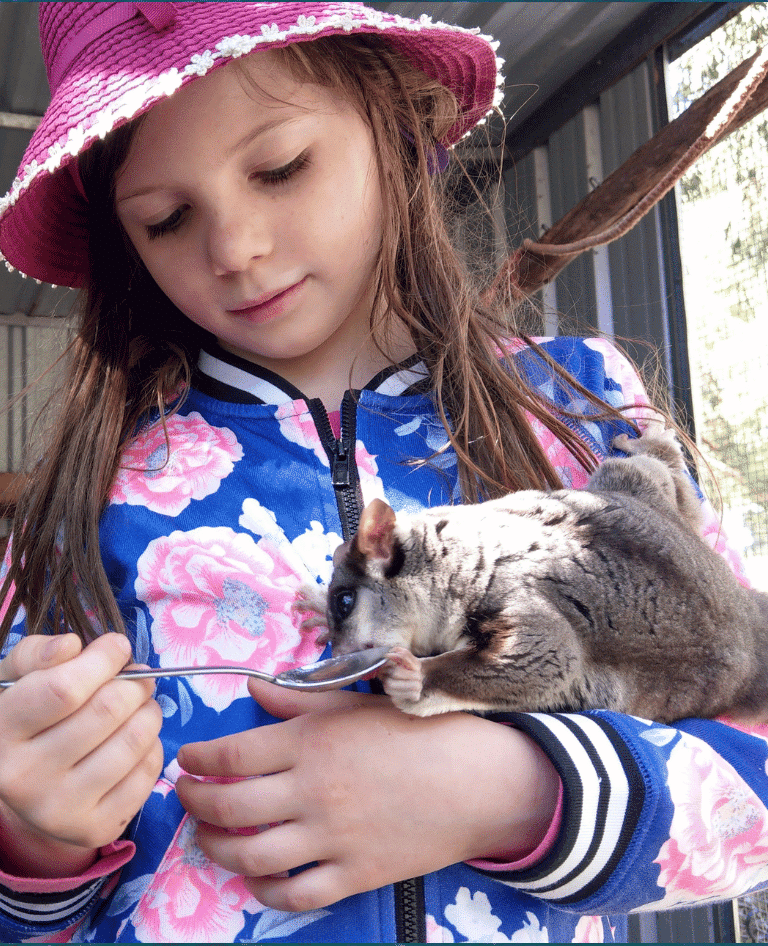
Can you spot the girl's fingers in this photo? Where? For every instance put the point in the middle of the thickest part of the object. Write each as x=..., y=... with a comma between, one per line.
x=60, y=797
x=115, y=758
x=38, y=652
x=268, y=748
x=115, y=809
x=270, y=851
x=88, y=804
x=109, y=714
x=311, y=889
x=258, y=751
x=285, y=703
x=89, y=819
x=243, y=804
x=44, y=697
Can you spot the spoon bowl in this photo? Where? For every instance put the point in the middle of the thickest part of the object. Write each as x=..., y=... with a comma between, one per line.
x=330, y=674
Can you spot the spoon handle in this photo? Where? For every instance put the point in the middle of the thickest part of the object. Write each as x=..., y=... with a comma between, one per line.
x=330, y=674
x=193, y=671
x=181, y=672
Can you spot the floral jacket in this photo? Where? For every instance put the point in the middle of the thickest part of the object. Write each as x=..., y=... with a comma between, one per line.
x=206, y=547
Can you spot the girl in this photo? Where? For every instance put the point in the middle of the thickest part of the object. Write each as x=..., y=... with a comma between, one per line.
x=275, y=328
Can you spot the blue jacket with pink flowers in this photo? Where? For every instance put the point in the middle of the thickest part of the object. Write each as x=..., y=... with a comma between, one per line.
x=206, y=543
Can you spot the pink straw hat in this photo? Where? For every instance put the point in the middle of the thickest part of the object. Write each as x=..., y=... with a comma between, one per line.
x=109, y=62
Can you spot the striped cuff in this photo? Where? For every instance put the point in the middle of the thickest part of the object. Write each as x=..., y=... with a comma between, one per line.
x=48, y=909
x=603, y=796
x=42, y=905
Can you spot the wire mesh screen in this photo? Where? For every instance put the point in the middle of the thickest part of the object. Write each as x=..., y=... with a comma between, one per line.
x=753, y=918
x=723, y=215
x=29, y=349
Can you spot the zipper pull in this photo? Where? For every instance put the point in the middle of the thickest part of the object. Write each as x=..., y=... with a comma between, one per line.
x=340, y=472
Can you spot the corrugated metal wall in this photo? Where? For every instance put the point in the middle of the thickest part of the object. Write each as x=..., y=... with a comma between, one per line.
x=29, y=350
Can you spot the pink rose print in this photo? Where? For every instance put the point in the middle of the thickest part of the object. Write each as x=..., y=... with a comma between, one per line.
x=299, y=427
x=718, y=844
x=715, y=537
x=192, y=900
x=589, y=929
x=216, y=596
x=6, y=602
x=511, y=346
x=201, y=457
x=570, y=471
x=366, y=462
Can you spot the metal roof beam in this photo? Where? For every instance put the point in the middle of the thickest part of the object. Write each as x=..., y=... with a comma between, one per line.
x=17, y=120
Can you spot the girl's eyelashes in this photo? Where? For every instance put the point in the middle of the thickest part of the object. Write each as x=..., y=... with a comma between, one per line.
x=272, y=178
x=286, y=172
x=171, y=223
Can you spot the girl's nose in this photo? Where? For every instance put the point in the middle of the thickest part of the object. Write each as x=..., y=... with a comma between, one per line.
x=236, y=238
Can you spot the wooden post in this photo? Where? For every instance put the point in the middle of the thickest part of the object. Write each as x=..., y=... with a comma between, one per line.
x=11, y=486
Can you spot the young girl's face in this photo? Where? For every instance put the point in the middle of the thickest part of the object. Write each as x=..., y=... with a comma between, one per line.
x=257, y=210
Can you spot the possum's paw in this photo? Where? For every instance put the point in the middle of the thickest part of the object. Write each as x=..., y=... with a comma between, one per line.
x=402, y=678
x=656, y=441
x=310, y=602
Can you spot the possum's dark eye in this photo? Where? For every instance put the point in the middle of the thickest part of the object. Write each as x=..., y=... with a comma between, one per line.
x=342, y=603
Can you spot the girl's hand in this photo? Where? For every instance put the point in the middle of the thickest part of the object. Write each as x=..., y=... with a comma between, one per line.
x=370, y=794
x=80, y=752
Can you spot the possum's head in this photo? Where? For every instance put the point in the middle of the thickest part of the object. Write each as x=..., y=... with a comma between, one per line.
x=377, y=594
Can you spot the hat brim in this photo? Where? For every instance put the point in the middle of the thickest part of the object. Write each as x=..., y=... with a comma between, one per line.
x=43, y=218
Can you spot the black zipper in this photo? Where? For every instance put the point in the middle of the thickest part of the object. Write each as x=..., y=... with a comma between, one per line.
x=341, y=455
x=410, y=911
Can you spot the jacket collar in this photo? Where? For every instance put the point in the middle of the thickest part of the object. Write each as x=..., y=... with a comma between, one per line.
x=227, y=377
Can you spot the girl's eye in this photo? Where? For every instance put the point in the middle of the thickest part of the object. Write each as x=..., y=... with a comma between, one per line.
x=283, y=174
x=271, y=178
x=169, y=225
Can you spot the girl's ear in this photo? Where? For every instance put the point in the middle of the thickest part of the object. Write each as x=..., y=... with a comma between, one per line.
x=375, y=536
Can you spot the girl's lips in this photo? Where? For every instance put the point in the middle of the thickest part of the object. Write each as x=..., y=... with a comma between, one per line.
x=269, y=307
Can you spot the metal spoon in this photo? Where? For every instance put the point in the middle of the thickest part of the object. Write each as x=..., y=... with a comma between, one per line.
x=330, y=674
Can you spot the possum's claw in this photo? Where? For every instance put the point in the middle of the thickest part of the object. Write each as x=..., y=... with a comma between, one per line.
x=624, y=443
x=310, y=601
x=402, y=678
x=655, y=441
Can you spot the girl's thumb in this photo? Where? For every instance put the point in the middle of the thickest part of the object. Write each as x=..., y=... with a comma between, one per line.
x=285, y=704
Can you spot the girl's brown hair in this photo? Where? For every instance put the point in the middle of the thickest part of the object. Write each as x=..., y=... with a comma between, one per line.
x=134, y=350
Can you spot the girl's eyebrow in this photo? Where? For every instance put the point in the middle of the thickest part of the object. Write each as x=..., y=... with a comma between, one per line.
x=250, y=136
x=258, y=131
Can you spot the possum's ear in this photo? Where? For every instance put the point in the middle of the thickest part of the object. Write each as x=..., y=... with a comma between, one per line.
x=340, y=552
x=375, y=536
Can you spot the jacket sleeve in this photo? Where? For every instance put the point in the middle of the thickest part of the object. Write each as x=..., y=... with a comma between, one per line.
x=653, y=816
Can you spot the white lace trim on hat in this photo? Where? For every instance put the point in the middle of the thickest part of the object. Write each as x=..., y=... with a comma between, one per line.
x=231, y=47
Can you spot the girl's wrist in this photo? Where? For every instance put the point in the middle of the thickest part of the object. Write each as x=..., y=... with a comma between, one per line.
x=533, y=793
x=25, y=852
